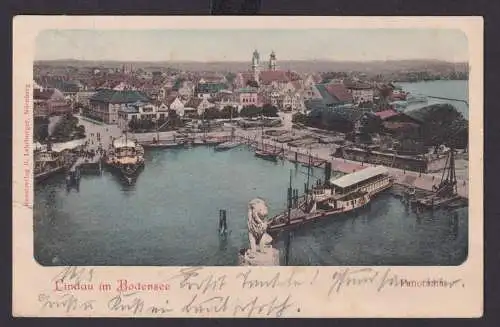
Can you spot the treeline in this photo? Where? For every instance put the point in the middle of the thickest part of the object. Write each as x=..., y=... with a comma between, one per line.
x=40, y=128
x=67, y=129
x=438, y=124
x=171, y=122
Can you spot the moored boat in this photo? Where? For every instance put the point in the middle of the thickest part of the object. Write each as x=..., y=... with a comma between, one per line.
x=163, y=144
x=267, y=155
x=126, y=157
x=227, y=145
x=342, y=195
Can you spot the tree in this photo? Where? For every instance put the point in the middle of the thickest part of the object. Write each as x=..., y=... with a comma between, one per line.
x=269, y=110
x=40, y=128
x=252, y=83
x=66, y=128
x=300, y=118
x=230, y=77
x=228, y=111
x=385, y=93
x=370, y=124
x=211, y=113
x=250, y=111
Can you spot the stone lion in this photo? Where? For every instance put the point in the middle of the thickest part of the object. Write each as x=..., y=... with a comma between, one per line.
x=257, y=212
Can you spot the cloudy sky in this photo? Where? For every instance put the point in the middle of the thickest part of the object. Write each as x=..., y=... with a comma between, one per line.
x=238, y=45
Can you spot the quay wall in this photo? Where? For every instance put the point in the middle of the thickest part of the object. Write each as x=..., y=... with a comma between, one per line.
x=395, y=161
x=402, y=177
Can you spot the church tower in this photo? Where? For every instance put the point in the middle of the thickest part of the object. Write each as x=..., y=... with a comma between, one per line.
x=272, y=61
x=256, y=65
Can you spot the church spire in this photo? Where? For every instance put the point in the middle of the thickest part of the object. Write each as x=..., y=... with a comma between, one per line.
x=256, y=65
x=272, y=61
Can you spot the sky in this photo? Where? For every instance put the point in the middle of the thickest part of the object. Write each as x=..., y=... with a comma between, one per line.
x=238, y=45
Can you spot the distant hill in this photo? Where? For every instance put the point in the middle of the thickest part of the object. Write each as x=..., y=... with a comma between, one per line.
x=301, y=66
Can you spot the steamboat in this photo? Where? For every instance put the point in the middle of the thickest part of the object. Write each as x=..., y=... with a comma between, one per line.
x=126, y=157
x=334, y=197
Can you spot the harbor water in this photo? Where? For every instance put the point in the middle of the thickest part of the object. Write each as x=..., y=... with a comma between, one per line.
x=169, y=217
x=458, y=90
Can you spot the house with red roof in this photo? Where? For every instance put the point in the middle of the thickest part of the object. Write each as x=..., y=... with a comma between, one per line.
x=386, y=114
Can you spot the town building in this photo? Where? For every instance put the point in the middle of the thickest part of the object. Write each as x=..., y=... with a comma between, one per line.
x=258, y=77
x=360, y=92
x=83, y=97
x=196, y=106
x=136, y=110
x=332, y=94
x=209, y=90
x=292, y=101
x=225, y=98
x=247, y=96
x=49, y=102
x=105, y=104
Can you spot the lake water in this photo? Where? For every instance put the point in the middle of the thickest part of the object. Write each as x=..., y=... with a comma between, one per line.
x=170, y=217
x=446, y=89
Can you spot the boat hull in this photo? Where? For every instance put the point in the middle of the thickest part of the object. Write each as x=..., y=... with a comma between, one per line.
x=129, y=172
x=266, y=155
x=328, y=212
x=226, y=146
x=163, y=145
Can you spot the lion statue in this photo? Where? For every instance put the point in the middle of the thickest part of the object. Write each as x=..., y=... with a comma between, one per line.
x=257, y=212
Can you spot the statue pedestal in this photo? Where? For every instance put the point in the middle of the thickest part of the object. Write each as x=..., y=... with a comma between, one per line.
x=268, y=257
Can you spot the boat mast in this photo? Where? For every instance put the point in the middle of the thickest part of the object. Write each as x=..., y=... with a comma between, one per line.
x=287, y=240
x=308, y=170
x=203, y=124
x=157, y=131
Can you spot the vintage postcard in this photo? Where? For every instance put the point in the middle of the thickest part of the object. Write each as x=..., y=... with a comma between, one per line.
x=247, y=166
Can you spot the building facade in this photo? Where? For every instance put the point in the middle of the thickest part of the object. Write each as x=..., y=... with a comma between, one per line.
x=361, y=93
x=49, y=102
x=247, y=96
x=105, y=104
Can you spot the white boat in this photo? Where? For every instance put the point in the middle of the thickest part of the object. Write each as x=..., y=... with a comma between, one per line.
x=227, y=145
x=354, y=190
x=126, y=156
x=338, y=196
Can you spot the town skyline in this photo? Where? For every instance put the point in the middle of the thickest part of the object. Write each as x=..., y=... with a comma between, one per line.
x=238, y=45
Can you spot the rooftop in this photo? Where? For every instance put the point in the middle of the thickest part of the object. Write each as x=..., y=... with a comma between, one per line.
x=430, y=112
x=339, y=91
x=247, y=90
x=116, y=96
x=386, y=113
x=359, y=176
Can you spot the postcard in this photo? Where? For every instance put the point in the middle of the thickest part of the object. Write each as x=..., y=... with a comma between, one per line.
x=271, y=167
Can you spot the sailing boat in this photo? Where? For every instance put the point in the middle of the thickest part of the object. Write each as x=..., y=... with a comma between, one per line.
x=161, y=144
x=263, y=153
x=446, y=191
